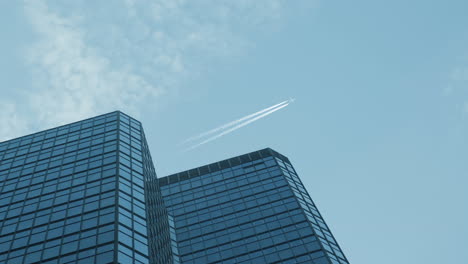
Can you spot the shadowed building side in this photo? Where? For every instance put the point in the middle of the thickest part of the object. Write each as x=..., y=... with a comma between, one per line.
x=79, y=193
x=248, y=209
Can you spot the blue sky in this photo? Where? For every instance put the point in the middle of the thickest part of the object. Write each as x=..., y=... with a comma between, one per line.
x=378, y=131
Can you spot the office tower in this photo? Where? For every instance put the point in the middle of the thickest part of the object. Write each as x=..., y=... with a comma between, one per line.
x=87, y=192
x=79, y=194
x=248, y=209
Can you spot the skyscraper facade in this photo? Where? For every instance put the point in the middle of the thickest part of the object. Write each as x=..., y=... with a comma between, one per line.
x=79, y=194
x=87, y=192
x=247, y=209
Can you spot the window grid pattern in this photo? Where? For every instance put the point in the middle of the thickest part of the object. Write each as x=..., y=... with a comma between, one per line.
x=57, y=194
x=132, y=225
x=160, y=247
x=245, y=213
x=79, y=194
x=87, y=192
x=321, y=229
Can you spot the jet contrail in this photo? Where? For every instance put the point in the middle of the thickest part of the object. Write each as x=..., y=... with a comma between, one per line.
x=232, y=123
x=232, y=129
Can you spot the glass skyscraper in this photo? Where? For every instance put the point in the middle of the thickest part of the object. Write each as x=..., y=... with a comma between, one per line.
x=87, y=192
x=80, y=194
x=247, y=209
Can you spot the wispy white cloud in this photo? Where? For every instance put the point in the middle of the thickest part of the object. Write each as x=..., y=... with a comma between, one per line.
x=12, y=123
x=93, y=57
x=460, y=74
x=73, y=80
x=458, y=88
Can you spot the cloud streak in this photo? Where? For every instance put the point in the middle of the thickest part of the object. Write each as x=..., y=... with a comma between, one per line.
x=90, y=58
x=222, y=127
x=235, y=125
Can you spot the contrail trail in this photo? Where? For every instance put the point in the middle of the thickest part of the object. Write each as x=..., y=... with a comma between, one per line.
x=232, y=129
x=232, y=123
